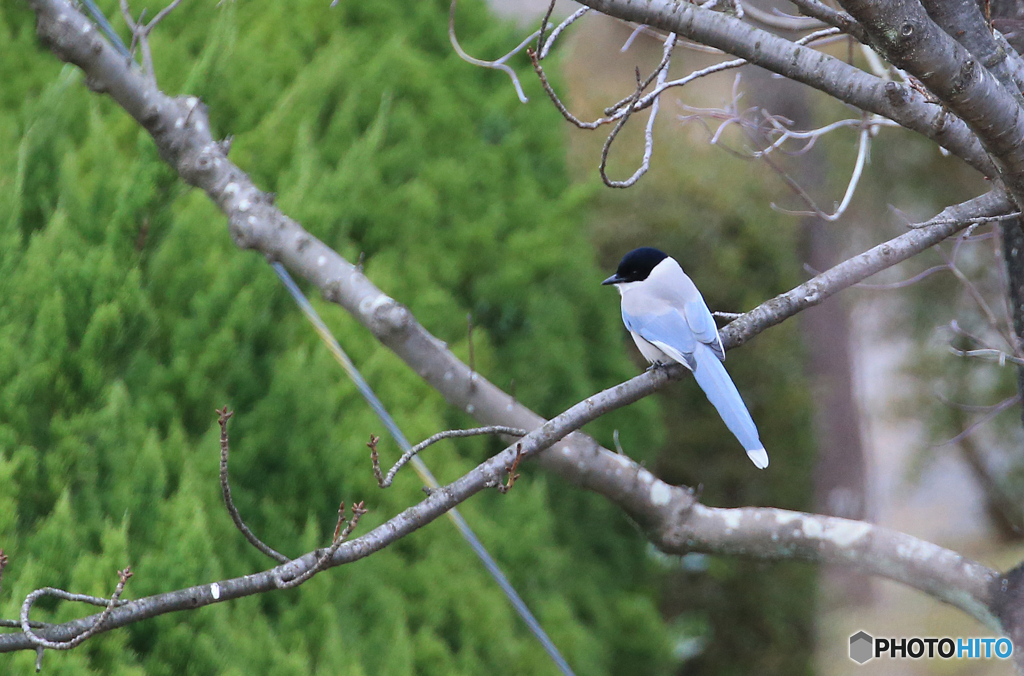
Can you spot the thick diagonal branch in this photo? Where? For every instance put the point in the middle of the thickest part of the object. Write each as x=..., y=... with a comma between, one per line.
x=675, y=522
x=962, y=20
x=910, y=40
x=853, y=270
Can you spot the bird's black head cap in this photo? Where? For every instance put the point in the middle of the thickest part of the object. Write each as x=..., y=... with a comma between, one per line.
x=636, y=265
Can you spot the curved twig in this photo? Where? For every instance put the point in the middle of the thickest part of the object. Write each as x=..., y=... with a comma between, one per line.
x=323, y=559
x=497, y=64
x=662, y=75
x=569, y=20
x=108, y=607
x=223, y=415
x=385, y=481
x=863, y=145
x=776, y=19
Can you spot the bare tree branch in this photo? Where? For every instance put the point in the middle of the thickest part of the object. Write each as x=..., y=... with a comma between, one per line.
x=385, y=481
x=141, y=31
x=661, y=73
x=497, y=64
x=322, y=561
x=76, y=640
x=823, y=72
x=569, y=20
x=910, y=40
x=856, y=269
x=511, y=469
x=863, y=143
x=225, y=488
x=832, y=17
x=962, y=20
x=673, y=519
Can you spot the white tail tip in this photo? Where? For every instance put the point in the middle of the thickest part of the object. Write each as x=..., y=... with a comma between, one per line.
x=759, y=457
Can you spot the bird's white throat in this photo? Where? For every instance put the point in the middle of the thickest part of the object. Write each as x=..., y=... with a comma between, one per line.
x=623, y=287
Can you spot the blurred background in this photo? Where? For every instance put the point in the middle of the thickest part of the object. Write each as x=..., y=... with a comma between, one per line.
x=127, y=315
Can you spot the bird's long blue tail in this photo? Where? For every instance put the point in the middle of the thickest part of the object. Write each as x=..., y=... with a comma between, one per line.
x=723, y=395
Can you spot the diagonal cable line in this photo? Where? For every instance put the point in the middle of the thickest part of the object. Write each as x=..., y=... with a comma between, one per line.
x=421, y=468
x=101, y=20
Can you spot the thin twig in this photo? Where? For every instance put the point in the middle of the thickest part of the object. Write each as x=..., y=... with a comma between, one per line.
x=108, y=607
x=863, y=146
x=498, y=64
x=892, y=286
x=385, y=481
x=340, y=536
x=549, y=90
x=996, y=410
x=618, y=444
x=970, y=408
x=955, y=327
x=223, y=416
x=375, y=459
x=725, y=65
x=640, y=28
x=945, y=267
x=634, y=103
x=662, y=75
x=571, y=19
x=841, y=20
x=472, y=357
x=16, y=624
x=141, y=31
x=988, y=354
x=975, y=294
x=985, y=219
x=812, y=135
x=782, y=21
x=544, y=25
x=512, y=475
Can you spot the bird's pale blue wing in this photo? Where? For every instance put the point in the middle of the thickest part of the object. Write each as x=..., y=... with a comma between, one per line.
x=700, y=321
x=696, y=346
x=667, y=331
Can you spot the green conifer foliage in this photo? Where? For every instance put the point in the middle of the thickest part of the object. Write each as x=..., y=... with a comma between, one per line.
x=127, y=315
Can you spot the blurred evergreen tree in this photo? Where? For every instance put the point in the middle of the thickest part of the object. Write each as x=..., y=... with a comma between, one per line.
x=127, y=315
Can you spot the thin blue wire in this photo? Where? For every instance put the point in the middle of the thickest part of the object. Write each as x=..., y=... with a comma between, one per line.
x=101, y=20
x=421, y=468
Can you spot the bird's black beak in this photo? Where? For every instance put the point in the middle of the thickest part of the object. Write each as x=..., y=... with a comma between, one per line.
x=614, y=279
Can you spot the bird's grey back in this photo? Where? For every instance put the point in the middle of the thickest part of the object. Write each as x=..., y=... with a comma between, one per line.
x=669, y=289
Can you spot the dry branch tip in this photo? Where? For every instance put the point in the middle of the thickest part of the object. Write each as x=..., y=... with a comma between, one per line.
x=512, y=475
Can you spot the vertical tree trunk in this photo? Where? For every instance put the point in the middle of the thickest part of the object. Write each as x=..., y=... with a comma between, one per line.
x=1013, y=256
x=840, y=473
x=840, y=476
